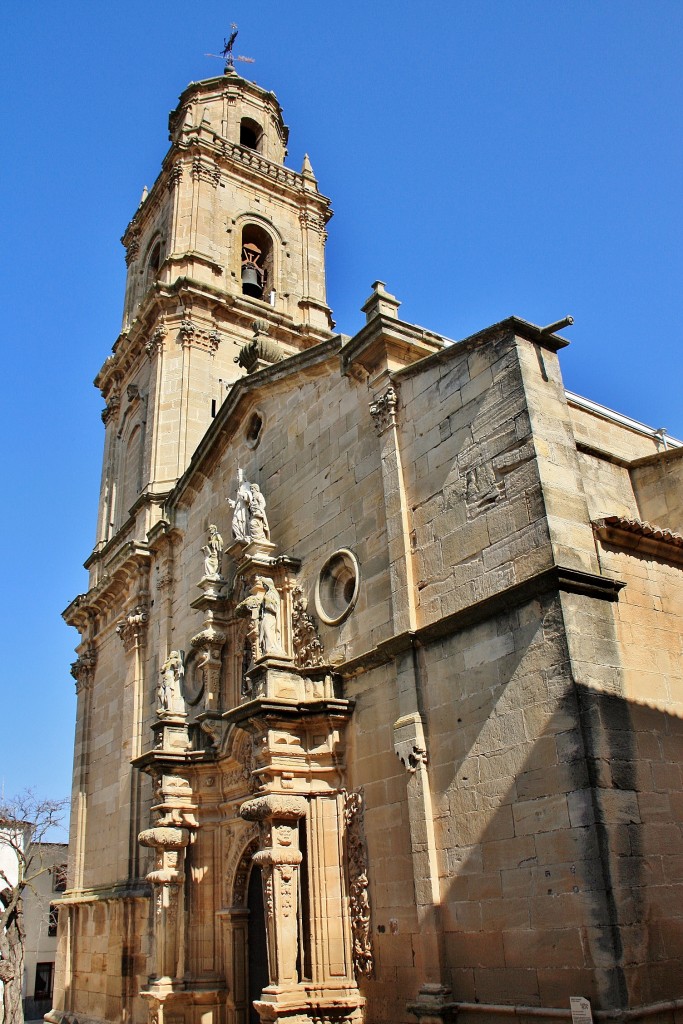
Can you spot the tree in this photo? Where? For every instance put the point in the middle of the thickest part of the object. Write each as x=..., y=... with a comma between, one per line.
x=25, y=822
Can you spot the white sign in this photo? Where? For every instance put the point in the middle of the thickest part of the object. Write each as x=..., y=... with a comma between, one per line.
x=581, y=1010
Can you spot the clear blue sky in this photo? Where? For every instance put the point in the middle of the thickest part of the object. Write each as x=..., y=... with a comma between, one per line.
x=483, y=158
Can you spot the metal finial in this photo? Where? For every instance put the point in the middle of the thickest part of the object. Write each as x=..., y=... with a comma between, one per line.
x=227, y=54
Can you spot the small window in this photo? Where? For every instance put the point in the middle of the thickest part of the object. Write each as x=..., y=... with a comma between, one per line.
x=250, y=133
x=44, y=977
x=253, y=432
x=53, y=920
x=153, y=264
x=59, y=878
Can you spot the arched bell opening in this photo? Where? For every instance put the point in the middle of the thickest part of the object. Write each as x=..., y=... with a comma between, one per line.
x=251, y=134
x=256, y=271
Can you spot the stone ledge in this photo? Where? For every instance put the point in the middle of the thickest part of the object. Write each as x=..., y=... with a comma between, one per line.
x=558, y=578
x=640, y=537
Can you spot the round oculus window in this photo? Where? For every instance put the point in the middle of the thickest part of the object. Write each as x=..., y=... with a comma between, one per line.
x=336, y=590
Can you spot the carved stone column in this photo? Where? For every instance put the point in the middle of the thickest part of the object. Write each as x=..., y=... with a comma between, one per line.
x=167, y=880
x=83, y=671
x=279, y=859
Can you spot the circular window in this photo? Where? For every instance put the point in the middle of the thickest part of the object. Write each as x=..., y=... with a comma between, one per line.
x=336, y=590
x=254, y=428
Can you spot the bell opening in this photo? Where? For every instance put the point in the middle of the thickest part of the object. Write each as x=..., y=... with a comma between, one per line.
x=256, y=264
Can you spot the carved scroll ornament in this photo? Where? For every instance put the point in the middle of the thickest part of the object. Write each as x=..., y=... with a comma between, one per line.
x=356, y=849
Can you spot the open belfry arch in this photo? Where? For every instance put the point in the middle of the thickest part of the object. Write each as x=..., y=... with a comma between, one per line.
x=369, y=723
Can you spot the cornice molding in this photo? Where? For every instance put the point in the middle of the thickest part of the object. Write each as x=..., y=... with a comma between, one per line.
x=558, y=578
x=640, y=537
x=122, y=567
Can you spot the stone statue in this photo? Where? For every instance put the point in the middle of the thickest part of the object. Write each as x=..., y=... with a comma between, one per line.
x=212, y=553
x=240, y=507
x=258, y=521
x=249, y=520
x=269, y=618
x=172, y=672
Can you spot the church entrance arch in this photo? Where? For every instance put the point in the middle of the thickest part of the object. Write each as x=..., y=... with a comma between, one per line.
x=245, y=936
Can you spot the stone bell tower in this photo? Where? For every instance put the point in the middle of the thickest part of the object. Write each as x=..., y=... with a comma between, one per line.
x=226, y=274
x=226, y=268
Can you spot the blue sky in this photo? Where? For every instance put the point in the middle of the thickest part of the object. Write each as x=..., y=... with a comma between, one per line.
x=483, y=158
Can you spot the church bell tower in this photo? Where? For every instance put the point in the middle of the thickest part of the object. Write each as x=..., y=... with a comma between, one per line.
x=225, y=259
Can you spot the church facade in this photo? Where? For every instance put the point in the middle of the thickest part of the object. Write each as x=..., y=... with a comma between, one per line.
x=380, y=675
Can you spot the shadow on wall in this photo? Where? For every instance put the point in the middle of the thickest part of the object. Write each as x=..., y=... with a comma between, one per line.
x=560, y=830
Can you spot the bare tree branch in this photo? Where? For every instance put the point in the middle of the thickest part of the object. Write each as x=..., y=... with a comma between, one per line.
x=25, y=824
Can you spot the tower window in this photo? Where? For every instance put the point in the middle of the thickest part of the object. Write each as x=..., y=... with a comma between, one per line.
x=257, y=262
x=250, y=133
x=153, y=264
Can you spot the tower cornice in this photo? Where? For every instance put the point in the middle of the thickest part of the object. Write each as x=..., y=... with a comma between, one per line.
x=231, y=159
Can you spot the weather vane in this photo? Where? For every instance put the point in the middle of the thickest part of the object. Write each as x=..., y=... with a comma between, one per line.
x=226, y=53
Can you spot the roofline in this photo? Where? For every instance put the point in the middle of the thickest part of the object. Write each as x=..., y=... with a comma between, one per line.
x=322, y=352
x=612, y=416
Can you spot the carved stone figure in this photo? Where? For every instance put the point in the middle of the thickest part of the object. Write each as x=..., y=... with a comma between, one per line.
x=258, y=521
x=269, y=618
x=212, y=553
x=172, y=672
x=240, y=507
x=308, y=647
x=249, y=520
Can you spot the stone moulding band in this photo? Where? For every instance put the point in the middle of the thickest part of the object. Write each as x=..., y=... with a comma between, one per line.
x=557, y=578
x=548, y=1012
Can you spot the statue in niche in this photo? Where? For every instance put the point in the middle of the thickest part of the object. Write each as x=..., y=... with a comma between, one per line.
x=172, y=672
x=269, y=618
x=249, y=520
x=212, y=553
x=262, y=608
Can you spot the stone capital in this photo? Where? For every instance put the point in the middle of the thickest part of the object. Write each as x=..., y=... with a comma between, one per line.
x=164, y=837
x=274, y=805
x=383, y=410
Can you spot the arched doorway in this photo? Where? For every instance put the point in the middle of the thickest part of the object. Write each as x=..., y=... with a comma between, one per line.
x=257, y=963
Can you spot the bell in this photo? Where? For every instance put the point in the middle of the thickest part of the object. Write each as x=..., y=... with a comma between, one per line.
x=251, y=281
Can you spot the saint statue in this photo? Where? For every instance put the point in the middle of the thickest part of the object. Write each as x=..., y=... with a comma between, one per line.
x=212, y=553
x=249, y=520
x=269, y=618
x=240, y=507
x=172, y=672
x=258, y=521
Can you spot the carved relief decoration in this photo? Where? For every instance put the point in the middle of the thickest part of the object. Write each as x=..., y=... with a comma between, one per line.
x=131, y=628
x=383, y=410
x=132, y=246
x=82, y=669
x=174, y=176
x=308, y=647
x=312, y=220
x=191, y=334
x=357, y=855
x=205, y=170
x=156, y=342
x=238, y=874
x=113, y=404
